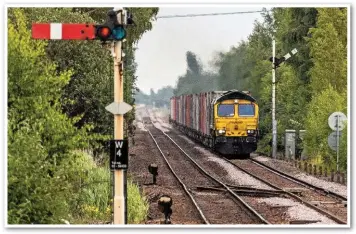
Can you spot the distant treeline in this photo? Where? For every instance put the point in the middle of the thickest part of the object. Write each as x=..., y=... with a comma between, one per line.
x=159, y=99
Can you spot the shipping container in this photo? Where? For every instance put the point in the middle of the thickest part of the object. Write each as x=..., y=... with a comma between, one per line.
x=195, y=111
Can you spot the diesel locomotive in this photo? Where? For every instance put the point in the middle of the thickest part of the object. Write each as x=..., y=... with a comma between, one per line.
x=226, y=121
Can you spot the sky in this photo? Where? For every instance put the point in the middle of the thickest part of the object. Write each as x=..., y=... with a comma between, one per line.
x=161, y=52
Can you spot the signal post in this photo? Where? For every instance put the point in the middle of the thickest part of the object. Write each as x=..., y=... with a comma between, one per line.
x=276, y=62
x=112, y=30
x=119, y=177
x=119, y=146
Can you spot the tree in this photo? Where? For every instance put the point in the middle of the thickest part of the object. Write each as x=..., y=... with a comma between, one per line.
x=319, y=110
x=90, y=90
x=195, y=80
x=57, y=92
x=328, y=48
x=328, y=45
x=293, y=26
x=194, y=66
x=163, y=96
x=232, y=68
x=40, y=138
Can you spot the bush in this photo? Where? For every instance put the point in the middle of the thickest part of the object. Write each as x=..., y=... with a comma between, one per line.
x=41, y=138
x=34, y=195
x=91, y=189
x=137, y=206
x=92, y=193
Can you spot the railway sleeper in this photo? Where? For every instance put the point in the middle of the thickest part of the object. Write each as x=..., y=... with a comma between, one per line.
x=318, y=203
x=296, y=191
x=303, y=221
x=247, y=192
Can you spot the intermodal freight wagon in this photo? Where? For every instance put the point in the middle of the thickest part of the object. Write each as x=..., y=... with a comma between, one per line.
x=226, y=121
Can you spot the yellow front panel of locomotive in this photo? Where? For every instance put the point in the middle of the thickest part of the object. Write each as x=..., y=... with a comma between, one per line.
x=234, y=126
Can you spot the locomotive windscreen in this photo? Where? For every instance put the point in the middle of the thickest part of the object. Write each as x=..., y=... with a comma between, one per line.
x=246, y=110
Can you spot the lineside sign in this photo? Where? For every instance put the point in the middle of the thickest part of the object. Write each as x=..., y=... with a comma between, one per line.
x=118, y=154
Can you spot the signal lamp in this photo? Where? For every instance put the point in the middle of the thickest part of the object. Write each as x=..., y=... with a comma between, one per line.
x=118, y=33
x=105, y=33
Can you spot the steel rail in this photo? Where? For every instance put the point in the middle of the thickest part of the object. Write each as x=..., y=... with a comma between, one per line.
x=253, y=211
x=329, y=215
x=179, y=180
x=296, y=180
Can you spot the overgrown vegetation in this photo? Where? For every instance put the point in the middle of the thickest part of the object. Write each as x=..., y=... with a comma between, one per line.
x=137, y=204
x=57, y=125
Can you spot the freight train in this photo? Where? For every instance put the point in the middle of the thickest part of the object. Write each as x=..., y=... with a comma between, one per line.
x=226, y=121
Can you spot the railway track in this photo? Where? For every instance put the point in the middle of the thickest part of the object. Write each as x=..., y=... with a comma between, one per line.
x=233, y=209
x=316, y=188
x=327, y=203
x=330, y=204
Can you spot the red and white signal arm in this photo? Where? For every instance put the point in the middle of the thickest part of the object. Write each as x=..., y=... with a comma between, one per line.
x=59, y=31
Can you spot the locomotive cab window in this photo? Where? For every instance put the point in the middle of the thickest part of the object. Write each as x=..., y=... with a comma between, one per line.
x=225, y=110
x=246, y=110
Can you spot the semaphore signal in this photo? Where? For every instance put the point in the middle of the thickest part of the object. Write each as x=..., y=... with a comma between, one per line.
x=112, y=30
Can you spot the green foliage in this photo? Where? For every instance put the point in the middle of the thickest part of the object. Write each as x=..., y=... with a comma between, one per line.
x=137, y=206
x=50, y=178
x=34, y=196
x=328, y=47
x=142, y=98
x=90, y=88
x=91, y=189
x=316, y=139
x=291, y=99
x=293, y=26
x=328, y=82
x=40, y=137
x=265, y=121
x=231, y=72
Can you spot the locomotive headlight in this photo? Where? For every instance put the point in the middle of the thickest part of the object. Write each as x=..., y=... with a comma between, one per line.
x=221, y=131
x=250, y=131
